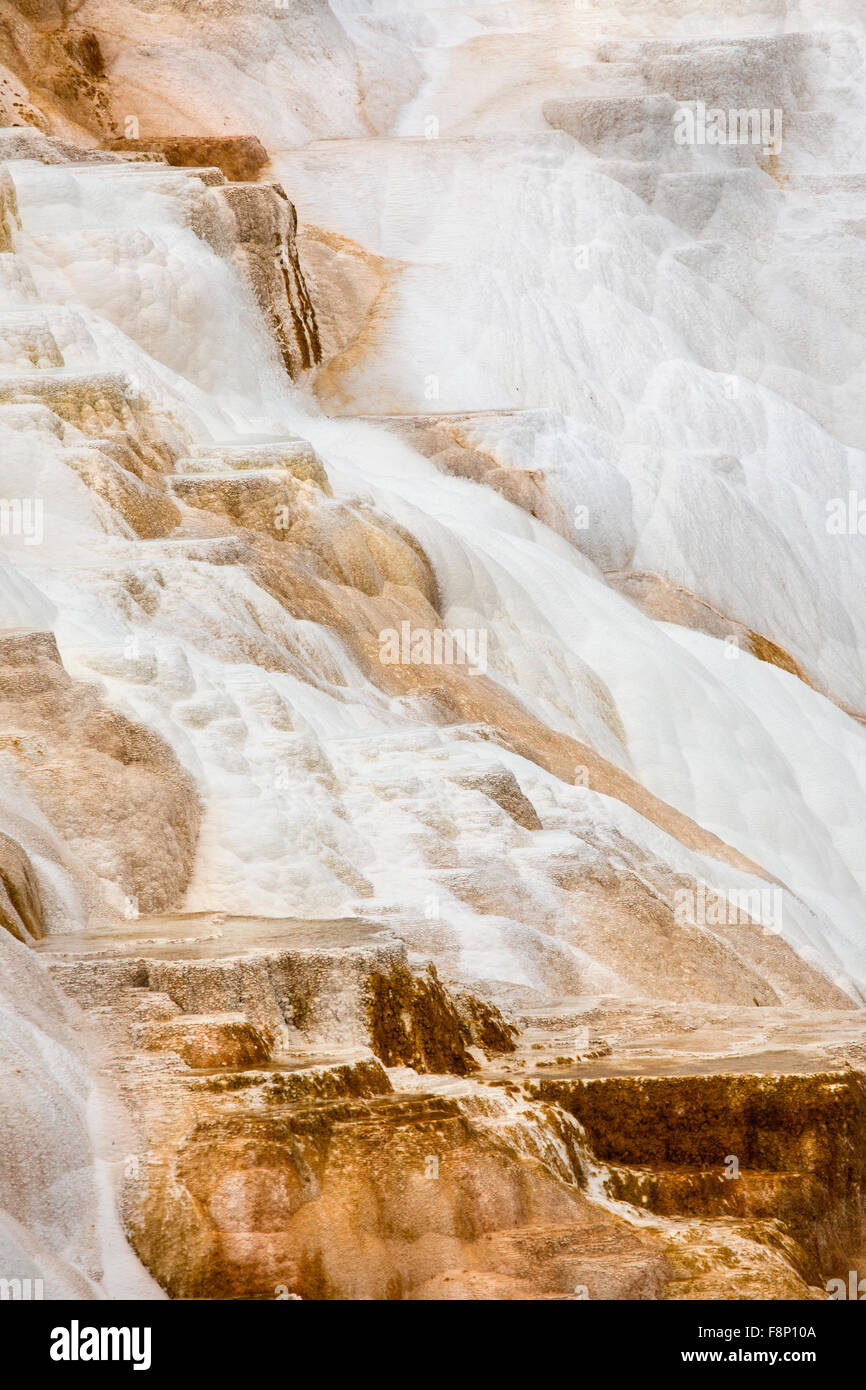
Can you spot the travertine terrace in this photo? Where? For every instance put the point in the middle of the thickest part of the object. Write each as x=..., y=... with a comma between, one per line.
x=432, y=649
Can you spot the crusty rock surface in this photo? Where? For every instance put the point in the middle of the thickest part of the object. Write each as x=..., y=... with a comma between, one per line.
x=20, y=903
x=126, y=809
x=238, y=157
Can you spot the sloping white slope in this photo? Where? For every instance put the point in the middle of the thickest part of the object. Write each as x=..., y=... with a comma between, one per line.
x=58, y=1169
